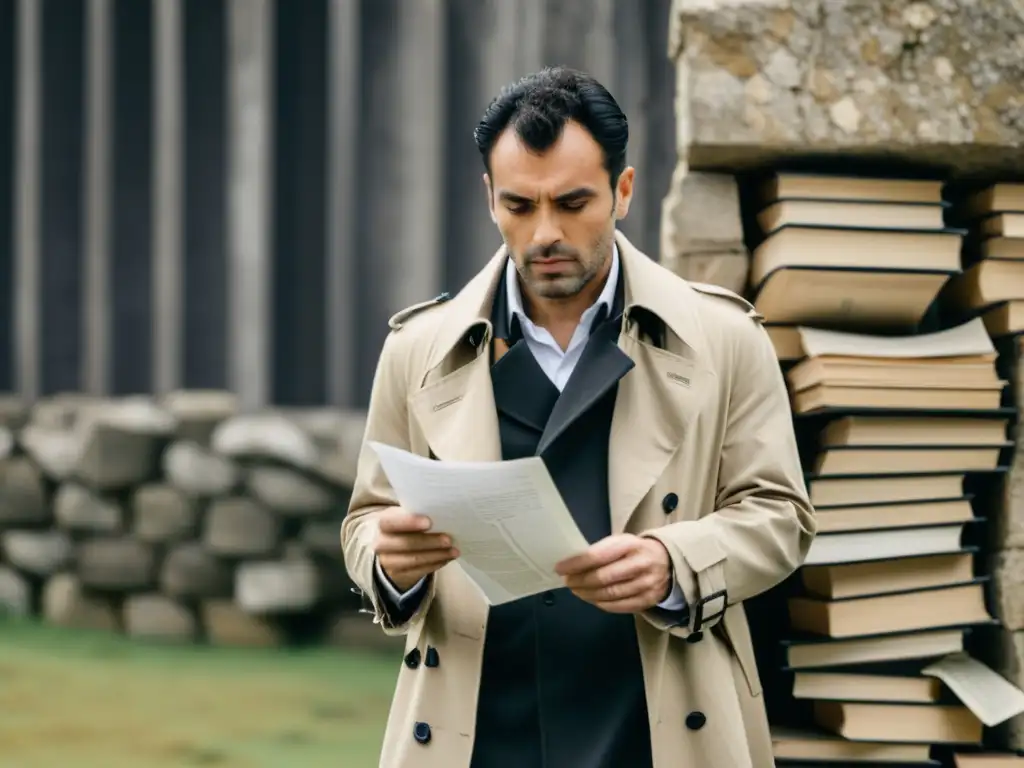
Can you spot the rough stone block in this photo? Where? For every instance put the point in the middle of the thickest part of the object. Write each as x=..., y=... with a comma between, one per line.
x=76, y=508
x=190, y=572
x=227, y=624
x=241, y=527
x=119, y=564
x=66, y=604
x=931, y=82
x=22, y=495
x=1007, y=570
x=1009, y=653
x=727, y=269
x=63, y=412
x=288, y=586
x=55, y=450
x=122, y=444
x=14, y=412
x=163, y=514
x=39, y=553
x=156, y=617
x=265, y=436
x=289, y=492
x=15, y=593
x=357, y=630
x=198, y=412
x=701, y=214
x=198, y=471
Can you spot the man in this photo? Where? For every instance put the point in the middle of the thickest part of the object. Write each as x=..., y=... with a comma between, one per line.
x=660, y=412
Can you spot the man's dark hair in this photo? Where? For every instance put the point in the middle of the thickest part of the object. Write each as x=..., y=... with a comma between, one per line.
x=538, y=106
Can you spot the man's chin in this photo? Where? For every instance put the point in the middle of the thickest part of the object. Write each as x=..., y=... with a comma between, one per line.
x=557, y=288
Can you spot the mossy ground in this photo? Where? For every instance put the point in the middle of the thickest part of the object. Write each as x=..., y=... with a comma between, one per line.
x=98, y=701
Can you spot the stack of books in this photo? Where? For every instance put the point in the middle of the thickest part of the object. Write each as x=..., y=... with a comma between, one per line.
x=897, y=429
x=849, y=252
x=888, y=586
x=992, y=282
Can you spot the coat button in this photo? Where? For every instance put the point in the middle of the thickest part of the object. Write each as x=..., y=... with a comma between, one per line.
x=432, y=659
x=412, y=658
x=695, y=721
x=421, y=732
x=669, y=503
x=695, y=637
x=549, y=598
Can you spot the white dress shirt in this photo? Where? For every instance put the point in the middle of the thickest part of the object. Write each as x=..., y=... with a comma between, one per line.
x=558, y=364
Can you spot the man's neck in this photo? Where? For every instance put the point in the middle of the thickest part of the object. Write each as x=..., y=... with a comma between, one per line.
x=561, y=316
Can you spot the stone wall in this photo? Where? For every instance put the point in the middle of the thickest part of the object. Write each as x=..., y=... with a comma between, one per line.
x=177, y=519
x=1007, y=557
x=815, y=83
x=841, y=85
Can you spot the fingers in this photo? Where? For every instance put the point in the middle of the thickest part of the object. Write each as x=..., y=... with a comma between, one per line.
x=411, y=542
x=414, y=565
x=406, y=551
x=603, y=552
x=648, y=585
x=623, y=570
x=400, y=521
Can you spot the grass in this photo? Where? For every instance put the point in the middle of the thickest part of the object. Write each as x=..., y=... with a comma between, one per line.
x=100, y=701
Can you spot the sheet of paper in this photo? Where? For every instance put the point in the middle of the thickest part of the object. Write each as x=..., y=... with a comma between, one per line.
x=506, y=518
x=992, y=698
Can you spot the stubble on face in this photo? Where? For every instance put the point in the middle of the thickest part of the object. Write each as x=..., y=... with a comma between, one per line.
x=559, y=271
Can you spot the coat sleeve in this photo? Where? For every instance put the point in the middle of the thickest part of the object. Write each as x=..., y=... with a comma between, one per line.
x=763, y=522
x=387, y=421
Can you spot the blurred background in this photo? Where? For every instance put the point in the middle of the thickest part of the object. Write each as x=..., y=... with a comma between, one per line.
x=238, y=195
x=208, y=211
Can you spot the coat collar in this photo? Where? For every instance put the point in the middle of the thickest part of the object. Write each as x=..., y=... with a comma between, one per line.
x=645, y=287
x=665, y=392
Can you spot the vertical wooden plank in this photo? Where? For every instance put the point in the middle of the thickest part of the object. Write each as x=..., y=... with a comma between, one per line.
x=28, y=198
x=205, y=261
x=8, y=54
x=401, y=165
x=249, y=180
x=168, y=223
x=343, y=211
x=97, y=192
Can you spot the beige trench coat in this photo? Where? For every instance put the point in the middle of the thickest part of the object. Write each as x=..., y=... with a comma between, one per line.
x=707, y=418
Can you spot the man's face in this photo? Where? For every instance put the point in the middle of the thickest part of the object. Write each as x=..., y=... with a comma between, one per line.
x=556, y=212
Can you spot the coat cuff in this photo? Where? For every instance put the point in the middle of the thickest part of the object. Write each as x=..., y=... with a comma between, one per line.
x=698, y=564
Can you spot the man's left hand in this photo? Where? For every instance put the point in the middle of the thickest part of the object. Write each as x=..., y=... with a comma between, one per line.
x=620, y=574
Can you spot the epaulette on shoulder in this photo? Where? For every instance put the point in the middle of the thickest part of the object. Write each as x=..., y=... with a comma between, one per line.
x=397, y=319
x=709, y=289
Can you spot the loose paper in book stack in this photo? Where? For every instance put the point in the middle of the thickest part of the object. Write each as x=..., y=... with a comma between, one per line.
x=888, y=588
x=849, y=251
x=992, y=283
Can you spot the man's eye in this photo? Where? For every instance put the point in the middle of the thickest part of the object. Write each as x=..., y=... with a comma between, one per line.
x=576, y=205
x=518, y=210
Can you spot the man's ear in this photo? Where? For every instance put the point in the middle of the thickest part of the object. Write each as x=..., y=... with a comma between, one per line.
x=624, y=192
x=490, y=197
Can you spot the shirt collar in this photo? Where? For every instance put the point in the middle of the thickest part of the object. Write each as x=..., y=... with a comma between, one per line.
x=514, y=295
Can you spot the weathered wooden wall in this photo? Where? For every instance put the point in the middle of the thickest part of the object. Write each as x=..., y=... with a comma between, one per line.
x=237, y=193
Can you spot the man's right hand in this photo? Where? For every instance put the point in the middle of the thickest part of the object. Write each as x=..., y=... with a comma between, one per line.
x=407, y=551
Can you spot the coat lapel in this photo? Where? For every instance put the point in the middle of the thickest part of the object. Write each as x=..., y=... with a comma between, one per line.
x=455, y=408
x=601, y=366
x=662, y=396
x=458, y=416
x=522, y=390
x=656, y=404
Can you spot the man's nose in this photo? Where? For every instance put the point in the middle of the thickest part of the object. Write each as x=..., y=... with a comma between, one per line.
x=547, y=233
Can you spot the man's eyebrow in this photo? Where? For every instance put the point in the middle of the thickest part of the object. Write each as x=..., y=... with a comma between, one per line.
x=512, y=197
x=575, y=194
x=579, y=193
